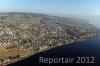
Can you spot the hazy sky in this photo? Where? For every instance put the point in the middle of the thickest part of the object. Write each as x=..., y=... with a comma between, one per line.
x=60, y=7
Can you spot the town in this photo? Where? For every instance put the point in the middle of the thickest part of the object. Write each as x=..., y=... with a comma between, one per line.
x=25, y=34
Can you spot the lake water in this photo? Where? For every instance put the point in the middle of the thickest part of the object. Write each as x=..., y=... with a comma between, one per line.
x=88, y=48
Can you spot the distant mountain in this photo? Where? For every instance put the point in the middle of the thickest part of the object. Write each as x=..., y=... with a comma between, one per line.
x=42, y=16
x=92, y=19
x=19, y=13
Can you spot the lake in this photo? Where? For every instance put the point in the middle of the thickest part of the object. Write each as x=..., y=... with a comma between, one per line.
x=88, y=49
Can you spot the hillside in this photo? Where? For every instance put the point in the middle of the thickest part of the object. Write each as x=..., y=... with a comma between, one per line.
x=22, y=34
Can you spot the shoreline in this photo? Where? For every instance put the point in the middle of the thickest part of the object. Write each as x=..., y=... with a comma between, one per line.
x=34, y=53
